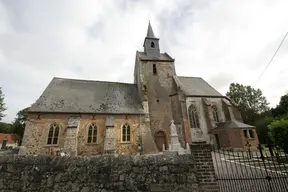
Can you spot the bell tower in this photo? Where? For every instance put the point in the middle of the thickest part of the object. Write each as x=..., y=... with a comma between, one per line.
x=153, y=75
x=151, y=44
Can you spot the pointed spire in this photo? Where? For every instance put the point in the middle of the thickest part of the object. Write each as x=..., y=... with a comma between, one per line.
x=150, y=32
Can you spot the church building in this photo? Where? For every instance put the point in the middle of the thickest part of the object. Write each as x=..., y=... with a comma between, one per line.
x=85, y=117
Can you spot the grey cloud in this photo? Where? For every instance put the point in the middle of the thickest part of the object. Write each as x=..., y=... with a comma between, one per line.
x=217, y=40
x=265, y=55
x=221, y=80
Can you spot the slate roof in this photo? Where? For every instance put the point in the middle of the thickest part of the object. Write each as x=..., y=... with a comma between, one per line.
x=150, y=32
x=163, y=57
x=196, y=86
x=232, y=124
x=85, y=96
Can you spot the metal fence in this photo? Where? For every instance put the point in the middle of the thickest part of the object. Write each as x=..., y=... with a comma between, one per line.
x=265, y=170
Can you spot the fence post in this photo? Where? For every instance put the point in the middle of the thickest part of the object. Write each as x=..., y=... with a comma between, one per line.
x=205, y=172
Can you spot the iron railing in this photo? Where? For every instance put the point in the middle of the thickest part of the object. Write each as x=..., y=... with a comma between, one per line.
x=265, y=170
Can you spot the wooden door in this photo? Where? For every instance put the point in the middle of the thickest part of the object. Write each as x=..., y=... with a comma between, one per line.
x=160, y=139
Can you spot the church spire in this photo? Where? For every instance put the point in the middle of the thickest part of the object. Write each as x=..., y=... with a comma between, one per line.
x=150, y=32
x=151, y=44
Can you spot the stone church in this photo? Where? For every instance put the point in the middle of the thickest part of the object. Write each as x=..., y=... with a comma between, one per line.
x=84, y=117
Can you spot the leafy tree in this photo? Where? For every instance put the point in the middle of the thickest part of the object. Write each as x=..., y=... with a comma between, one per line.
x=19, y=123
x=282, y=108
x=2, y=105
x=251, y=102
x=262, y=129
x=6, y=127
x=278, y=132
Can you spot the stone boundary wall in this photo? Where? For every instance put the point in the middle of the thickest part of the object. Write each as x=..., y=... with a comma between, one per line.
x=180, y=173
x=102, y=173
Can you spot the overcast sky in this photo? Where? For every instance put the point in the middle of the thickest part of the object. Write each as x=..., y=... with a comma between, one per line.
x=222, y=41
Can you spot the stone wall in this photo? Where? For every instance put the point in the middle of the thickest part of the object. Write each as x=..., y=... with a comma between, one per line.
x=158, y=89
x=37, y=128
x=193, y=173
x=103, y=173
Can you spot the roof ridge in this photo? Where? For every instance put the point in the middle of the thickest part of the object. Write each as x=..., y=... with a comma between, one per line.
x=93, y=81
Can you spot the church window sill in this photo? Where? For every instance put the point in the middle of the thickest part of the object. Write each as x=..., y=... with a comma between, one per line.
x=126, y=142
x=88, y=144
x=53, y=145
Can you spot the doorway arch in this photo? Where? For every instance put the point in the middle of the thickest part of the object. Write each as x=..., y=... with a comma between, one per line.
x=160, y=139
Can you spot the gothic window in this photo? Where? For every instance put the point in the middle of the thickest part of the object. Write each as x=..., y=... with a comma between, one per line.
x=193, y=117
x=154, y=69
x=53, y=134
x=125, y=136
x=215, y=113
x=92, y=134
x=152, y=44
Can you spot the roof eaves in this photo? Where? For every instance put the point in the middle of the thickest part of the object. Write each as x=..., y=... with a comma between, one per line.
x=211, y=86
x=148, y=59
x=212, y=96
x=80, y=113
x=172, y=59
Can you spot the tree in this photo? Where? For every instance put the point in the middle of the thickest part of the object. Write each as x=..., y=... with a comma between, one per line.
x=278, y=132
x=5, y=127
x=2, y=104
x=251, y=102
x=19, y=123
x=282, y=108
x=262, y=129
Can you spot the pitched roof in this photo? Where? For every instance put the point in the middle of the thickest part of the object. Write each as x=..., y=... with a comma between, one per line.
x=85, y=96
x=196, y=86
x=232, y=124
x=163, y=57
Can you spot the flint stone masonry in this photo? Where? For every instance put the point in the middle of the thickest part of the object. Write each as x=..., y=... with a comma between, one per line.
x=99, y=173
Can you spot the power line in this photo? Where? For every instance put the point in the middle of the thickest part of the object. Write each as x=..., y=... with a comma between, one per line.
x=271, y=60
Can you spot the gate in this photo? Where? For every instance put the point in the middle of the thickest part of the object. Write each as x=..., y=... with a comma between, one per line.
x=264, y=170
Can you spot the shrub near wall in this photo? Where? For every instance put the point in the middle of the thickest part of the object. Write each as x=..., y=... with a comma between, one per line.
x=103, y=173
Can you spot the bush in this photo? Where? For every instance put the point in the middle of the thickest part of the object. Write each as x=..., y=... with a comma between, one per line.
x=262, y=129
x=278, y=132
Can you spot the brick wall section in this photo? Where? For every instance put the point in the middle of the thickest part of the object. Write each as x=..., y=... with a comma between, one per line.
x=235, y=138
x=205, y=172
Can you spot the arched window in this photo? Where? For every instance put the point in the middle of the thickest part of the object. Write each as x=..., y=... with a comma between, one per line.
x=92, y=134
x=152, y=44
x=193, y=117
x=53, y=134
x=215, y=113
x=126, y=132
